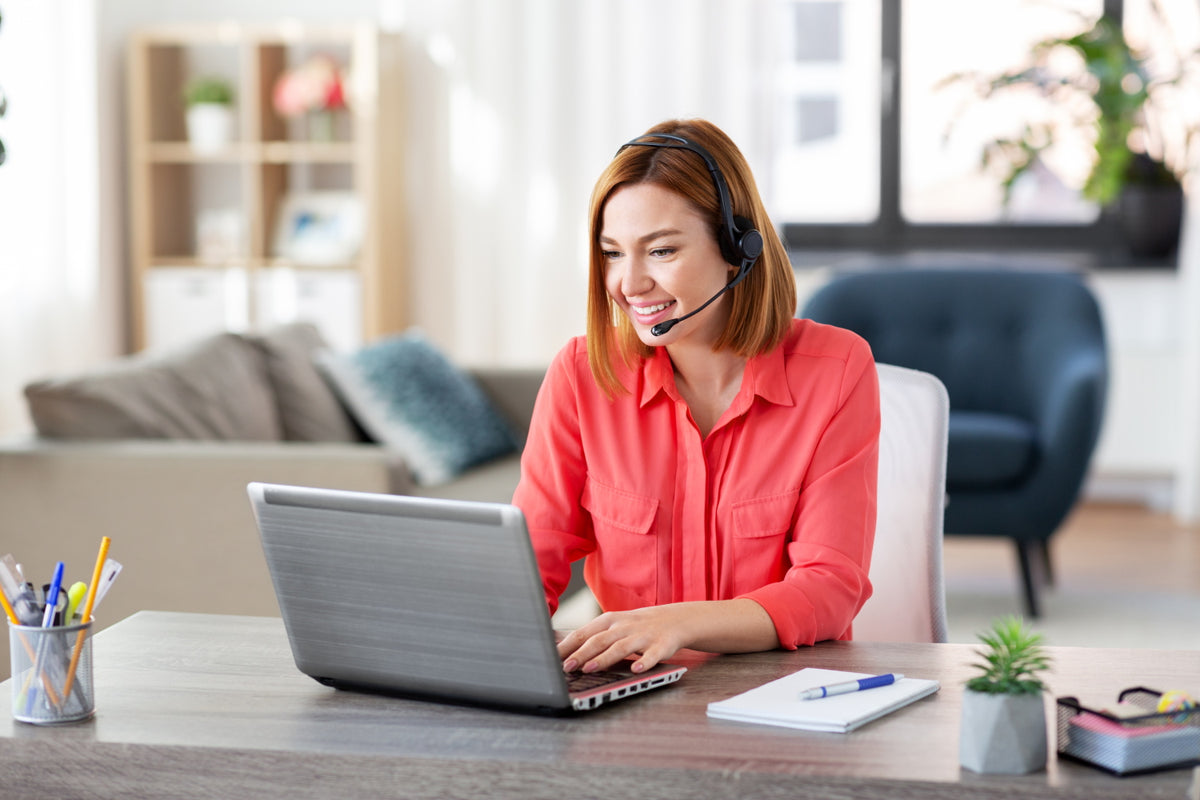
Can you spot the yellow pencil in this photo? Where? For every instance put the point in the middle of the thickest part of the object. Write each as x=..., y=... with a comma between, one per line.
x=87, y=614
x=8, y=609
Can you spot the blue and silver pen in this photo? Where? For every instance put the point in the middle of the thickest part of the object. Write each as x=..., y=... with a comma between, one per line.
x=52, y=596
x=850, y=686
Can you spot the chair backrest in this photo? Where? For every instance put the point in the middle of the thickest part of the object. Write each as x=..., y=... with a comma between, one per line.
x=909, y=602
x=996, y=338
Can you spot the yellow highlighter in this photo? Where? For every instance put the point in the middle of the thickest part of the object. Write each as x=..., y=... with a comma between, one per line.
x=75, y=597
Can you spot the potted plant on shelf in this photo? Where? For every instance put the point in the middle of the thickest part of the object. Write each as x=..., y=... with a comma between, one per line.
x=209, y=102
x=1003, y=726
x=1142, y=127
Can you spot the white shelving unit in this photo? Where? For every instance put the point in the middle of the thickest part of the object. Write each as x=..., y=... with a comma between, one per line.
x=205, y=253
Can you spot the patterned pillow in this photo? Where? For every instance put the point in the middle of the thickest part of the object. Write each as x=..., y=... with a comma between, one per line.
x=408, y=396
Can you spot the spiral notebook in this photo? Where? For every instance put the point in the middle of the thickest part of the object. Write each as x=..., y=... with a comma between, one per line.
x=779, y=703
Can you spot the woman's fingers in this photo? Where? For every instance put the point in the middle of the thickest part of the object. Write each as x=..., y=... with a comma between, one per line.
x=647, y=633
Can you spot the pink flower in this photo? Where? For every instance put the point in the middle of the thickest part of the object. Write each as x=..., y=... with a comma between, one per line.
x=315, y=85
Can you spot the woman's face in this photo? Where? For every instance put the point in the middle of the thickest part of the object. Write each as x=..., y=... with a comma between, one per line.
x=661, y=262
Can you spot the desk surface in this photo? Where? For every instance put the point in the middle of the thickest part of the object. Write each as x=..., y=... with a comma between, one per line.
x=213, y=706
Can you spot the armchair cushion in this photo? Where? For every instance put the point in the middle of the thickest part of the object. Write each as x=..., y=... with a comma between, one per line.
x=988, y=449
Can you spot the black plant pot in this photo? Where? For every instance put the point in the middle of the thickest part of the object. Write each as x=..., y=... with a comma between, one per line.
x=1150, y=218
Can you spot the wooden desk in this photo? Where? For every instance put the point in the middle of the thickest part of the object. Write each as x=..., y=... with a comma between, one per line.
x=212, y=706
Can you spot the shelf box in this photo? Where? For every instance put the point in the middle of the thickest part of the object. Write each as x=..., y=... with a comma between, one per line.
x=331, y=299
x=186, y=303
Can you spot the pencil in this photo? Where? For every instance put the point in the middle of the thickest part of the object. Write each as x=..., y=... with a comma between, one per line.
x=87, y=614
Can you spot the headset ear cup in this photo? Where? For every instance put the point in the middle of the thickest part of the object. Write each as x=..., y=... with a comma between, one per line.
x=729, y=247
x=749, y=242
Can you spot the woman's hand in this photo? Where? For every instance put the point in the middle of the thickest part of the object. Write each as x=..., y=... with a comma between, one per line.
x=654, y=634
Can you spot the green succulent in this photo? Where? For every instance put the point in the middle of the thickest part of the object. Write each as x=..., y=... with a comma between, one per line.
x=1012, y=660
x=208, y=90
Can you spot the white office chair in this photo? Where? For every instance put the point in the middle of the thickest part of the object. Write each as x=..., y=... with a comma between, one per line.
x=909, y=603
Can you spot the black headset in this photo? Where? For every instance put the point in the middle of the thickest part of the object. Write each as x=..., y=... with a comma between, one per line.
x=741, y=244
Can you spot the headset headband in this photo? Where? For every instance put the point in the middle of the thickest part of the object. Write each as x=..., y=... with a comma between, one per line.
x=741, y=243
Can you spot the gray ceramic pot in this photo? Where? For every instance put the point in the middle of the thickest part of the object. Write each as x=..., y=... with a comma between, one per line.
x=1002, y=733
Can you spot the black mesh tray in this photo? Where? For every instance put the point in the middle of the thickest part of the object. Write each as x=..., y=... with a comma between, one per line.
x=1133, y=745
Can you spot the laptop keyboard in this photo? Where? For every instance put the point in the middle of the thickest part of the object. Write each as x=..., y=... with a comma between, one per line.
x=582, y=681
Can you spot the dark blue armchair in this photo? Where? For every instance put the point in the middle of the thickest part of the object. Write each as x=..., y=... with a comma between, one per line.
x=1023, y=357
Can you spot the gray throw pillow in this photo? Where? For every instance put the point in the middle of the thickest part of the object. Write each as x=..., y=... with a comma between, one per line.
x=408, y=396
x=309, y=411
x=216, y=388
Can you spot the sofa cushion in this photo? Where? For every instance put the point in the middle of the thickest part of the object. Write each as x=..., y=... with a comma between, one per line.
x=309, y=411
x=408, y=396
x=988, y=449
x=216, y=388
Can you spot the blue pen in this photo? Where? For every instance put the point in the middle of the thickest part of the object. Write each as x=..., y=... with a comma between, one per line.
x=850, y=686
x=52, y=596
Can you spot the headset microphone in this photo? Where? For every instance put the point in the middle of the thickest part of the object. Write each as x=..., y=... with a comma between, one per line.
x=666, y=325
x=741, y=244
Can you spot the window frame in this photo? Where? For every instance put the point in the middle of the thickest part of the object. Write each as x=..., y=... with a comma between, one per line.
x=891, y=232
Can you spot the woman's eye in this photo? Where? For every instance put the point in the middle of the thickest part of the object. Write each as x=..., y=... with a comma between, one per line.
x=609, y=255
x=662, y=252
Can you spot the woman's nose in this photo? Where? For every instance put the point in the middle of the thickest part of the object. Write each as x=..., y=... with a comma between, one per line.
x=636, y=278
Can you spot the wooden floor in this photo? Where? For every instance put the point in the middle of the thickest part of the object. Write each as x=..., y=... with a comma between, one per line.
x=1125, y=547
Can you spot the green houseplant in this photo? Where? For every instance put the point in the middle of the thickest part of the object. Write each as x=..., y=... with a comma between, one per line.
x=1003, y=727
x=208, y=90
x=1129, y=112
x=209, y=102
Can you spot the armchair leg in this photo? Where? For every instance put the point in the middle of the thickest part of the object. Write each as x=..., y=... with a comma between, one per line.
x=1047, y=564
x=1028, y=579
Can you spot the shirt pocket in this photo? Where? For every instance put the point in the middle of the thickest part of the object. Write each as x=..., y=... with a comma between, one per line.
x=626, y=549
x=761, y=528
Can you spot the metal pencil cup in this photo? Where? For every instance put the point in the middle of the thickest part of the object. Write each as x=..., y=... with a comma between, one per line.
x=51, y=673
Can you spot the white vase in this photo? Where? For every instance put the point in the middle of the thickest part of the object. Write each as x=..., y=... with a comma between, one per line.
x=209, y=126
x=1002, y=734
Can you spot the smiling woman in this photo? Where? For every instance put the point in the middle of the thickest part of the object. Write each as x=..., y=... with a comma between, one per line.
x=712, y=458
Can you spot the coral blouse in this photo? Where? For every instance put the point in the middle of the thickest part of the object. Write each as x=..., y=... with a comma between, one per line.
x=776, y=504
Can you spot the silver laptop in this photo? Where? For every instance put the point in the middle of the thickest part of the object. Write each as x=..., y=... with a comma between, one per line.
x=420, y=597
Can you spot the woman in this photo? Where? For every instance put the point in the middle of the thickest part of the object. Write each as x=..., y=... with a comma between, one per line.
x=713, y=458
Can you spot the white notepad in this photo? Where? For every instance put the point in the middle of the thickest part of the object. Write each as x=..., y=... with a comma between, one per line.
x=779, y=703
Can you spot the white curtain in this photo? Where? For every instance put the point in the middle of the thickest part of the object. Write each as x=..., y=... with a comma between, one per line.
x=55, y=312
x=513, y=109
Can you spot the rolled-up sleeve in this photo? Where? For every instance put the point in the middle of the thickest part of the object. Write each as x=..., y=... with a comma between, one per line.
x=829, y=551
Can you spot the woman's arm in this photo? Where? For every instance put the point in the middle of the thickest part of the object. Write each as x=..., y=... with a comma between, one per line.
x=655, y=633
x=552, y=478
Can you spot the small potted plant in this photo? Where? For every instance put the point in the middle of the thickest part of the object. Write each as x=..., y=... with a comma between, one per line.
x=1003, y=727
x=209, y=102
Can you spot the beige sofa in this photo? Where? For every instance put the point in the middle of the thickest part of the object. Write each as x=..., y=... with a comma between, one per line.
x=176, y=509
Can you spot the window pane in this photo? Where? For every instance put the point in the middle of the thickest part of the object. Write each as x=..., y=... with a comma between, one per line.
x=943, y=130
x=825, y=162
x=1167, y=31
